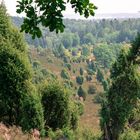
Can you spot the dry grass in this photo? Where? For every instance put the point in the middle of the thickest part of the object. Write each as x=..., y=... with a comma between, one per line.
x=15, y=133
x=90, y=118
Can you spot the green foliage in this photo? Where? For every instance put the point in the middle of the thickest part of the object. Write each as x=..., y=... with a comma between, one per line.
x=15, y=80
x=81, y=71
x=92, y=66
x=90, y=72
x=65, y=59
x=49, y=42
x=32, y=115
x=80, y=107
x=85, y=51
x=65, y=133
x=99, y=75
x=4, y=21
x=123, y=93
x=65, y=74
x=81, y=93
x=88, y=38
x=76, y=40
x=14, y=72
x=105, y=85
x=78, y=134
x=47, y=9
x=79, y=80
x=36, y=64
x=134, y=121
x=68, y=66
x=104, y=55
x=68, y=84
x=67, y=40
x=130, y=134
x=103, y=31
x=58, y=111
x=87, y=134
x=59, y=51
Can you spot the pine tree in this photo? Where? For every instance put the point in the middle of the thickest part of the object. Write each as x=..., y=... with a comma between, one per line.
x=99, y=75
x=56, y=103
x=123, y=93
x=15, y=79
x=82, y=93
x=4, y=21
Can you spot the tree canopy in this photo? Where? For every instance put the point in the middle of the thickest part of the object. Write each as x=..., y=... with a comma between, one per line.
x=124, y=92
x=19, y=103
x=50, y=13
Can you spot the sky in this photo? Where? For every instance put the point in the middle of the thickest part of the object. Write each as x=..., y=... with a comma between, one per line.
x=104, y=6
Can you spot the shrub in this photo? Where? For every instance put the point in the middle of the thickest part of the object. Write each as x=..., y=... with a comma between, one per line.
x=130, y=134
x=65, y=74
x=68, y=66
x=90, y=72
x=79, y=80
x=59, y=134
x=15, y=74
x=65, y=59
x=81, y=93
x=32, y=115
x=99, y=75
x=68, y=84
x=80, y=107
x=57, y=106
x=105, y=85
x=92, y=66
x=15, y=84
x=81, y=71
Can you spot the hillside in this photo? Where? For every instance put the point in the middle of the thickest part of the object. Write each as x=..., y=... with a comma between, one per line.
x=55, y=65
x=80, y=57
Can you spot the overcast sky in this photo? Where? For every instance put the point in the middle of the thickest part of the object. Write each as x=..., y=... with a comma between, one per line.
x=104, y=6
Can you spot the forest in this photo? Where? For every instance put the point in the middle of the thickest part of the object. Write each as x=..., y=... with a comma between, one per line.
x=82, y=84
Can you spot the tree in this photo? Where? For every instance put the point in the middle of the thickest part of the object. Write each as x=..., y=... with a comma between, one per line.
x=85, y=51
x=105, y=85
x=59, y=51
x=65, y=74
x=67, y=40
x=15, y=79
x=123, y=94
x=88, y=38
x=32, y=116
x=81, y=71
x=76, y=40
x=104, y=55
x=49, y=14
x=92, y=66
x=4, y=26
x=99, y=75
x=57, y=106
x=79, y=80
x=81, y=93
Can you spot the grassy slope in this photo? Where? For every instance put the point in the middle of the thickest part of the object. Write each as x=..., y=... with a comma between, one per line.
x=90, y=118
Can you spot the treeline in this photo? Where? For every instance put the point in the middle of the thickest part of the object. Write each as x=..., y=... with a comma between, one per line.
x=79, y=32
